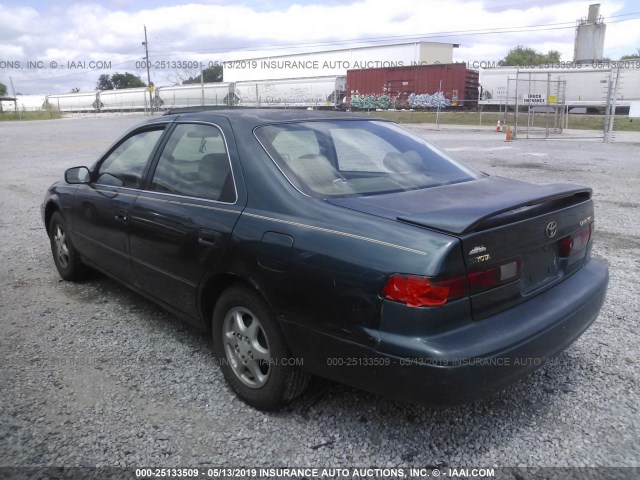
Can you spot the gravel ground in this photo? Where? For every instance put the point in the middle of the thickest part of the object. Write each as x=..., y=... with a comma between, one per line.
x=92, y=374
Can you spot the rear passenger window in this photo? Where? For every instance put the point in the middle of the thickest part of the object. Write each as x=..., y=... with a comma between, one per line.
x=292, y=144
x=195, y=163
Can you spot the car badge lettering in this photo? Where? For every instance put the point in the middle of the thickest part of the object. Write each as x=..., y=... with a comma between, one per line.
x=478, y=249
x=551, y=230
x=585, y=221
x=483, y=258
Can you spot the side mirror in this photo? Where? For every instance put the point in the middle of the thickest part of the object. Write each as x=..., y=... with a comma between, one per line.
x=77, y=175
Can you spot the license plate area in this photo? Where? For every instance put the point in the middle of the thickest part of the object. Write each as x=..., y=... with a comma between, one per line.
x=539, y=267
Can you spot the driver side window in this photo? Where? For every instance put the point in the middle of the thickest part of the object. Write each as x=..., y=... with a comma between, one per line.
x=125, y=165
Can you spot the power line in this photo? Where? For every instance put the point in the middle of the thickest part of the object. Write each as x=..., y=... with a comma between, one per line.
x=352, y=41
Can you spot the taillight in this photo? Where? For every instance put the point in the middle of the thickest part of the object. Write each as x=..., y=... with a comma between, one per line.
x=575, y=242
x=418, y=291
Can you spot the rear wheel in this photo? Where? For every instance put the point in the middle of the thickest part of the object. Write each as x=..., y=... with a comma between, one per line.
x=252, y=352
x=65, y=256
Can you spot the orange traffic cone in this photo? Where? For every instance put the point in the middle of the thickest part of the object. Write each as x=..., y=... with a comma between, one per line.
x=498, y=127
x=508, y=139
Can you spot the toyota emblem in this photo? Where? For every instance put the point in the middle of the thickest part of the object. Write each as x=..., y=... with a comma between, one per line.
x=552, y=229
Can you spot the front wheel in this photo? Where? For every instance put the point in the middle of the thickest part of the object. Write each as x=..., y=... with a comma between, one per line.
x=252, y=352
x=65, y=256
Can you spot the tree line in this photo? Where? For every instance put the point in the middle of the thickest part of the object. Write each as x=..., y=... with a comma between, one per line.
x=525, y=56
x=118, y=81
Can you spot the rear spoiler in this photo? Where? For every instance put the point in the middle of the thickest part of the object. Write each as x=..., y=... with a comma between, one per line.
x=473, y=210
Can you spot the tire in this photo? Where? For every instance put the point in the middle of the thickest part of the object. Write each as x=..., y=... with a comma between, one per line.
x=252, y=352
x=65, y=256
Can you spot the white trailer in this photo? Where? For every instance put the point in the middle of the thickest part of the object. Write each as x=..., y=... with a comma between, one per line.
x=193, y=95
x=316, y=92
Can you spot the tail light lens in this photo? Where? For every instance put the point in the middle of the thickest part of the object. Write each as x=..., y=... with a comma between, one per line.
x=418, y=291
x=575, y=242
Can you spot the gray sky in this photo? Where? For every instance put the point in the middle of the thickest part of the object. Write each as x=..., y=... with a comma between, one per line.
x=65, y=31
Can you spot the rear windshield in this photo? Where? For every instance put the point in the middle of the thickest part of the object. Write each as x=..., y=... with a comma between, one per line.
x=352, y=157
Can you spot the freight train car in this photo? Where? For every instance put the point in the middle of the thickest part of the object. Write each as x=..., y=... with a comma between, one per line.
x=125, y=100
x=420, y=86
x=74, y=102
x=194, y=95
x=316, y=92
x=574, y=87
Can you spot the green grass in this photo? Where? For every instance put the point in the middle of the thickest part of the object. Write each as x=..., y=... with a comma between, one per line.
x=43, y=115
x=486, y=119
x=622, y=123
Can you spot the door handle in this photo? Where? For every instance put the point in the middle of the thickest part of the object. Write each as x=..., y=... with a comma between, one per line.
x=209, y=239
x=121, y=216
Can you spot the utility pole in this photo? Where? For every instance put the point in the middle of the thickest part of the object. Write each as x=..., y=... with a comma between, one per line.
x=202, y=85
x=15, y=99
x=146, y=57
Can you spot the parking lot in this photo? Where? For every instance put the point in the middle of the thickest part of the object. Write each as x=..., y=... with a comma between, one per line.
x=93, y=374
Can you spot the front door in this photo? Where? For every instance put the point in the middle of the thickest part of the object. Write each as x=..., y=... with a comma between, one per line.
x=101, y=209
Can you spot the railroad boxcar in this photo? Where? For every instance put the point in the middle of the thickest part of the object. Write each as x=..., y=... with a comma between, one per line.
x=419, y=86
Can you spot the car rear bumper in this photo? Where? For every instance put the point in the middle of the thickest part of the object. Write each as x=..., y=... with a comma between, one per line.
x=478, y=358
x=475, y=361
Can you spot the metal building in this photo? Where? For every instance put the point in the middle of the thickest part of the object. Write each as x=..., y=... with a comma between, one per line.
x=337, y=62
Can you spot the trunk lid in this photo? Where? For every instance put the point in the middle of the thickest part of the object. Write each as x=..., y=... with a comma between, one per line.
x=500, y=223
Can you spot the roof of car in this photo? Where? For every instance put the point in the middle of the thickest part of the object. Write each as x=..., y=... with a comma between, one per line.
x=252, y=117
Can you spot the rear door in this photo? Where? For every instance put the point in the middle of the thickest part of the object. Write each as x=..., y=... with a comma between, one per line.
x=182, y=221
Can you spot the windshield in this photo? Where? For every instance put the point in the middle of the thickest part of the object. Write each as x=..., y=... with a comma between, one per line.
x=353, y=157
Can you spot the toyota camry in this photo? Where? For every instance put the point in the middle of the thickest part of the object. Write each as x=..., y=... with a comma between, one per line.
x=338, y=245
